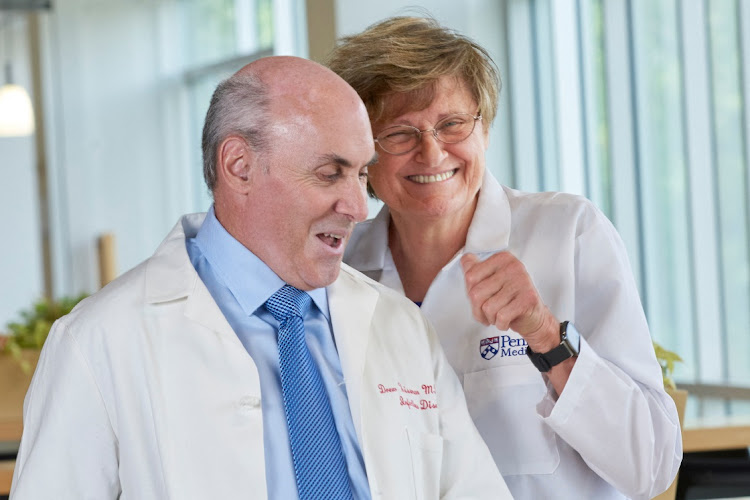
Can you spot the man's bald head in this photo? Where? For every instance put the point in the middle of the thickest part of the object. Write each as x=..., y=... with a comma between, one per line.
x=295, y=78
x=253, y=101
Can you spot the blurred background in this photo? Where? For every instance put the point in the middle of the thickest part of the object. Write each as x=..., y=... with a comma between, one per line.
x=640, y=105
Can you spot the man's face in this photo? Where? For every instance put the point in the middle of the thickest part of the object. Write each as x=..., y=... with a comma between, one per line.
x=308, y=192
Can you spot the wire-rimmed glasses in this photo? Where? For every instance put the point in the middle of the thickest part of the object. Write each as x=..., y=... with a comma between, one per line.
x=400, y=139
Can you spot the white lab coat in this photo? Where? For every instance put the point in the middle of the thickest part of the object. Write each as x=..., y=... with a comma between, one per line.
x=614, y=427
x=145, y=392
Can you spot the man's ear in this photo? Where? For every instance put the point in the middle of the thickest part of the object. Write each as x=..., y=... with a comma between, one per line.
x=235, y=159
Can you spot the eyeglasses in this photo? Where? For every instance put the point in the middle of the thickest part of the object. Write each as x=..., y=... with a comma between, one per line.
x=400, y=139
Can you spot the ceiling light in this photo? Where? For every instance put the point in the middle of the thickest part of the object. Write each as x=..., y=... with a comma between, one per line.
x=16, y=113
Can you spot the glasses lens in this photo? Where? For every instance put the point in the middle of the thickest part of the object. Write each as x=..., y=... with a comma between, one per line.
x=455, y=128
x=399, y=139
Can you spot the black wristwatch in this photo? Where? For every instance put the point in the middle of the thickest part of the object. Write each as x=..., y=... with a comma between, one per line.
x=570, y=343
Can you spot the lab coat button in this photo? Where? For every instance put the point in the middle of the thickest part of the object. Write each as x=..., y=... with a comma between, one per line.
x=247, y=404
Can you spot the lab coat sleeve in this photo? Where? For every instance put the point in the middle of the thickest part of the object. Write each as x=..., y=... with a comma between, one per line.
x=614, y=411
x=468, y=470
x=68, y=449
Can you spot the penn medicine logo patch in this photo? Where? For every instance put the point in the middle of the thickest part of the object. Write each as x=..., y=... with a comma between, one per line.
x=489, y=347
x=503, y=345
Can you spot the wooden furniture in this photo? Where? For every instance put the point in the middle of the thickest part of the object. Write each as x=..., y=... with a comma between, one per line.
x=716, y=461
x=716, y=433
x=11, y=429
x=13, y=385
x=107, y=258
x=10, y=433
x=680, y=401
x=6, y=475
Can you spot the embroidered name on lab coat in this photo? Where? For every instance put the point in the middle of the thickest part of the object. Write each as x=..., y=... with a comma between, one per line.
x=416, y=398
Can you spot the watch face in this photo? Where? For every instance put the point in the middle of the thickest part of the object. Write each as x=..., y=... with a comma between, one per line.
x=572, y=337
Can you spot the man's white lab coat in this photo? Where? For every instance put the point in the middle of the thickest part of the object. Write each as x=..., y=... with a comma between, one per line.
x=614, y=427
x=145, y=392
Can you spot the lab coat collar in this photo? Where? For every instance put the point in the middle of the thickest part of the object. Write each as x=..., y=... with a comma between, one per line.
x=170, y=276
x=489, y=231
x=366, y=251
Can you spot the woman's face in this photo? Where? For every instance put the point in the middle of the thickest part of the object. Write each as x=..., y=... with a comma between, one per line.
x=435, y=179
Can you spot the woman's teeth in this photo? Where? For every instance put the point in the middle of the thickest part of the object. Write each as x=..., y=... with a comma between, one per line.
x=426, y=179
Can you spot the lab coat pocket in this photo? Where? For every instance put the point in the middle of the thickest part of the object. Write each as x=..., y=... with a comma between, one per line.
x=502, y=402
x=427, y=459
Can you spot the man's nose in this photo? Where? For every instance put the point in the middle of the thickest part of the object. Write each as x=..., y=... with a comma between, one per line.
x=353, y=201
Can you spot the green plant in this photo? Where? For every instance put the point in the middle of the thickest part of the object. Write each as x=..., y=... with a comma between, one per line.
x=32, y=329
x=667, y=359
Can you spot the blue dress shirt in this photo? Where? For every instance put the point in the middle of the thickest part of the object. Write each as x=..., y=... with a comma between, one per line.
x=240, y=283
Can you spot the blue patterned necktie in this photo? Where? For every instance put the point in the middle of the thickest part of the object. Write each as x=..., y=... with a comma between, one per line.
x=319, y=463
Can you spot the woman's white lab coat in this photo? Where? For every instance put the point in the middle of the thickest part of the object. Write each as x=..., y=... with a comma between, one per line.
x=614, y=432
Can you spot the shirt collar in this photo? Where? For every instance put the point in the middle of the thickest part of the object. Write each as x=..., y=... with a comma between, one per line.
x=248, y=278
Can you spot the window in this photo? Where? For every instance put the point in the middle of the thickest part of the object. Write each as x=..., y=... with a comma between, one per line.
x=646, y=102
x=219, y=37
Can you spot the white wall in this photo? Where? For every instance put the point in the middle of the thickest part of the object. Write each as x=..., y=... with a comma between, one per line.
x=20, y=257
x=111, y=149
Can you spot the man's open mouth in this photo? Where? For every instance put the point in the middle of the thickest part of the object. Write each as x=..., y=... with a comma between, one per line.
x=332, y=240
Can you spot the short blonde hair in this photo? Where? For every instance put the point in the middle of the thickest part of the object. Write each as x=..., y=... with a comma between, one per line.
x=408, y=55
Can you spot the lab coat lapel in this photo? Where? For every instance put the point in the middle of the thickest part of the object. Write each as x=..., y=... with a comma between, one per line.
x=352, y=305
x=489, y=231
x=171, y=276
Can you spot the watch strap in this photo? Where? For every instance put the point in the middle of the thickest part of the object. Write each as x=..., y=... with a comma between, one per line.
x=545, y=361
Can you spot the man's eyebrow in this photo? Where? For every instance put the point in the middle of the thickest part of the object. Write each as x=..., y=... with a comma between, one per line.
x=333, y=158
x=372, y=161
